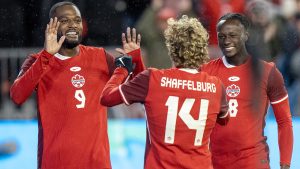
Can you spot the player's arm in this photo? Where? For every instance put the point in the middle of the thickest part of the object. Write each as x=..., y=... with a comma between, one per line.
x=36, y=66
x=280, y=104
x=32, y=70
x=118, y=90
x=223, y=116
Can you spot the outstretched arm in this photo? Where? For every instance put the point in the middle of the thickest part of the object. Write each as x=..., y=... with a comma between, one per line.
x=37, y=65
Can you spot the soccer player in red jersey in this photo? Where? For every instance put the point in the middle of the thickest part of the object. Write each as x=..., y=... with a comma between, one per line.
x=69, y=78
x=182, y=104
x=251, y=84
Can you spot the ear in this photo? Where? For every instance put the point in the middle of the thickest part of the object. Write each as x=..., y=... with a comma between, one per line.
x=246, y=36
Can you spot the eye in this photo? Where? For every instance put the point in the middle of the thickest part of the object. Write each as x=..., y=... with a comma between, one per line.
x=221, y=36
x=63, y=21
x=78, y=20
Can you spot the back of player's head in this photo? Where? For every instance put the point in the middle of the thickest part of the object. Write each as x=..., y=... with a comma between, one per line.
x=57, y=5
x=235, y=16
x=187, y=41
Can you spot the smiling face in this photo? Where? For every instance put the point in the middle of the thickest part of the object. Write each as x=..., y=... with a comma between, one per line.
x=70, y=25
x=232, y=37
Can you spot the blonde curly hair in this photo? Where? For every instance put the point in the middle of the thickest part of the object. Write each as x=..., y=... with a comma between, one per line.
x=187, y=41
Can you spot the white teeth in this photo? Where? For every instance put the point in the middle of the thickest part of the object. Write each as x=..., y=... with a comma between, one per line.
x=229, y=48
x=71, y=33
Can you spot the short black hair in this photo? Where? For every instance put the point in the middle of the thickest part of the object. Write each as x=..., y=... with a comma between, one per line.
x=236, y=16
x=59, y=4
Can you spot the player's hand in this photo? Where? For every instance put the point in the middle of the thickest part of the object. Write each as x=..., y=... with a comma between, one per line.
x=51, y=44
x=130, y=42
x=124, y=61
x=284, y=167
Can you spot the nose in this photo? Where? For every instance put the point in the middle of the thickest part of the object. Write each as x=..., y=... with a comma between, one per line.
x=227, y=40
x=72, y=24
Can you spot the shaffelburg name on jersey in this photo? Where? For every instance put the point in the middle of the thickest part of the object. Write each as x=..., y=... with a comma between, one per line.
x=188, y=84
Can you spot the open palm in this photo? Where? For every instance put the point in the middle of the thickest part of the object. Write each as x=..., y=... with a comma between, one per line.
x=51, y=44
x=130, y=41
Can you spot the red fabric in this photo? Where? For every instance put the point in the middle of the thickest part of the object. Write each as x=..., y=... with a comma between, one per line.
x=254, y=158
x=137, y=60
x=285, y=132
x=72, y=122
x=111, y=95
x=159, y=104
x=248, y=107
x=211, y=11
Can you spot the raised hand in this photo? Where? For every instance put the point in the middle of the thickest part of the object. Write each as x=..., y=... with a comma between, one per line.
x=130, y=42
x=51, y=45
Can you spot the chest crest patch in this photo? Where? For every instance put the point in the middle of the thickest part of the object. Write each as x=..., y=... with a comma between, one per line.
x=233, y=90
x=78, y=81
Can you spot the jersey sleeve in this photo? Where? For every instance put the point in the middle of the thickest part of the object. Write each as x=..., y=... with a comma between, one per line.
x=136, y=89
x=110, y=62
x=280, y=104
x=115, y=92
x=32, y=70
x=276, y=88
x=110, y=95
x=137, y=60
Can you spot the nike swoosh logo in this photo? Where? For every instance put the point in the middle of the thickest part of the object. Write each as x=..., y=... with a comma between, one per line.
x=233, y=78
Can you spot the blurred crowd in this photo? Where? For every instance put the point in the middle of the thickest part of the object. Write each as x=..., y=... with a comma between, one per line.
x=274, y=35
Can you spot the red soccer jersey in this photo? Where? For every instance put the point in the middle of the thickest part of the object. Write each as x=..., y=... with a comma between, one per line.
x=248, y=107
x=72, y=123
x=181, y=110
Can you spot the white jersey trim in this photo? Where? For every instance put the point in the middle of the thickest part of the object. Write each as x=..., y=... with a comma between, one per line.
x=193, y=71
x=147, y=124
x=278, y=101
x=123, y=97
x=61, y=57
x=226, y=64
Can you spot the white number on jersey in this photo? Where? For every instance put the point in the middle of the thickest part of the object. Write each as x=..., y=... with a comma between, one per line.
x=79, y=95
x=233, y=104
x=184, y=114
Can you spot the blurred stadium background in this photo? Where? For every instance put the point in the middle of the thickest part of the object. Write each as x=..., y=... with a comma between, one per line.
x=21, y=33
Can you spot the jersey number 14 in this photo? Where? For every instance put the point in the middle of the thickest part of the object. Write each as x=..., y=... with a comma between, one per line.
x=184, y=114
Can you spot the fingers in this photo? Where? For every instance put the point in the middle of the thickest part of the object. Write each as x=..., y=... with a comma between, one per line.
x=139, y=38
x=133, y=35
x=61, y=40
x=129, y=35
x=124, y=39
x=53, y=25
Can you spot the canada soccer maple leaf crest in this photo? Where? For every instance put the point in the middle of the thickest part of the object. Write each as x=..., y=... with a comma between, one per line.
x=78, y=81
x=233, y=90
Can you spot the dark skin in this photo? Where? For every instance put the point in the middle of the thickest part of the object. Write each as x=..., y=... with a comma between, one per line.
x=232, y=38
x=67, y=23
